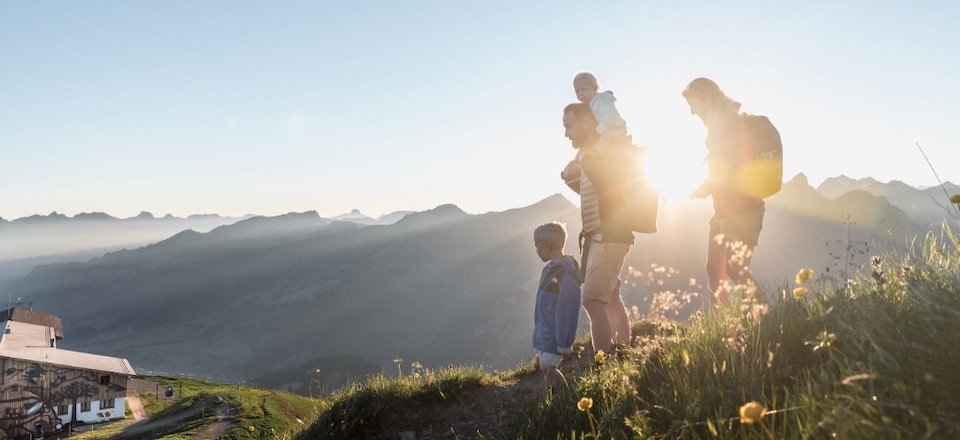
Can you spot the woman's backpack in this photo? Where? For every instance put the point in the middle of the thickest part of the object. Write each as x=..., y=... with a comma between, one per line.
x=763, y=175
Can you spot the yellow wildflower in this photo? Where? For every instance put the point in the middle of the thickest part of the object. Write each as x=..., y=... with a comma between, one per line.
x=804, y=275
x=752, y=412
x=600, y=356
x=585, y=403
x=800, y=292
x=251, y=428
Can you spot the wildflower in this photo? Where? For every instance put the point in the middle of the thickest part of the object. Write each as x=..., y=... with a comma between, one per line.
x=804, y=275
x=800, y=292
x=752, y=412
x=251, y=428
x=600, y=356
x=906, y=270
x=585, y=403
x=876, y=263
x=824, y=339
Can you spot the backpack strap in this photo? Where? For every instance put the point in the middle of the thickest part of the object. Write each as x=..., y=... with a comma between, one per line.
x=551, y=281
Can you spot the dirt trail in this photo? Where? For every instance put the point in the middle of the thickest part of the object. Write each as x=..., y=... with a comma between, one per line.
x=220, y=427
x=136, y=407
x=141, y=426
x=476, y=413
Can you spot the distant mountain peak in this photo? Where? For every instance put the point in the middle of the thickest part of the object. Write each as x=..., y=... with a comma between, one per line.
x=800, y=179
x=441, y=214
x=37, y=218
x=145, y=215
x=553, y=202
x=393, y=217
x=447, y=208
x=355, y=216
x=94, y=216
x=354, y=213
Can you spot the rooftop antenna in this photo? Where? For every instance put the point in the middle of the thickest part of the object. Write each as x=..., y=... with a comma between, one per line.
x=953, y=209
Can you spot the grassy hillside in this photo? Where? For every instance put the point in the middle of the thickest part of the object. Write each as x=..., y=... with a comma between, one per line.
x=872, y=358
x=210, y=410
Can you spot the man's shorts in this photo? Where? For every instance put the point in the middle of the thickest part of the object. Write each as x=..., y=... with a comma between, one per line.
x=604, y=262
x=550, y=359
x=744, y=227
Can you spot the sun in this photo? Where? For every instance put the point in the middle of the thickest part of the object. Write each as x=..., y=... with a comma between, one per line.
x=675, y=172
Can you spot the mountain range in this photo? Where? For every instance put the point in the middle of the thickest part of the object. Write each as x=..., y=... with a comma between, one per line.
x=272, y=299
x=928, y=207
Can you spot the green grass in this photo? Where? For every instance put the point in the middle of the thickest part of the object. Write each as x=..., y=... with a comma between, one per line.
x=151, y=404
x=261, y=413
x=355, y=411
x=868, y=360
x=107, y=430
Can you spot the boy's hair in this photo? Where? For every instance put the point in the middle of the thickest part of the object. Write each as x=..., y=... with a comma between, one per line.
x=554, y=233
x=589, y=76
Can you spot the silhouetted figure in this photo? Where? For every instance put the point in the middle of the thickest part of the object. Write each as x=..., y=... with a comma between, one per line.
x=558, y=302
x=595, y=175
x=743, y=165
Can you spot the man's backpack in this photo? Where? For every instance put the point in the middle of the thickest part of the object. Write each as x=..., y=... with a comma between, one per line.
x=628, y=200
x=763, y=175
x=642, y=198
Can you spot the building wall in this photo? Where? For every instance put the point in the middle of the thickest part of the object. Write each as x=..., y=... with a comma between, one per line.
x=96, y=413
x=31, y=392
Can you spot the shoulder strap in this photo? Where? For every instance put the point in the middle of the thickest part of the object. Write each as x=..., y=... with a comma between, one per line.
x=553, y=276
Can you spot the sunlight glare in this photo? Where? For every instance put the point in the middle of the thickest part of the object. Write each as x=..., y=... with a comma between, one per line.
x=675, y=172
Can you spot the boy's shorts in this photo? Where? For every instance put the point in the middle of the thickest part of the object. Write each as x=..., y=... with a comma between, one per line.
x=550, y=359
x=604, y=262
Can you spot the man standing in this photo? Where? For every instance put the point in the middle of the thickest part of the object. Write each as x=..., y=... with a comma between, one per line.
x=606, y=237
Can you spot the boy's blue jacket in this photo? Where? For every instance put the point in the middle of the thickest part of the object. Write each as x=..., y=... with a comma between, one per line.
x=558, y=307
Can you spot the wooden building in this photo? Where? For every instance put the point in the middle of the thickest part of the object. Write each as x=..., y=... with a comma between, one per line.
x=44, y=388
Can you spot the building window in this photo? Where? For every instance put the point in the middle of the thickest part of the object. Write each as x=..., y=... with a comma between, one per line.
x=85, y=406
x=63, y=410
x=106, y=403
x=104, y=380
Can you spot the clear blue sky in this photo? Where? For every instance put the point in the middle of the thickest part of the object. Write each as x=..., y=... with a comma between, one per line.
x=241, y=107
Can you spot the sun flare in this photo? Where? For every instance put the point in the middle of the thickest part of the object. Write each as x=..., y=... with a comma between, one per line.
x=675, y=172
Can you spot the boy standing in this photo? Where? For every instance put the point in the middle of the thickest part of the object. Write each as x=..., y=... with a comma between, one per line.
x=558, y=302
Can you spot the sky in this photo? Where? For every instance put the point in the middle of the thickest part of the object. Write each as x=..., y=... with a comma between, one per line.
x=238, y=107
